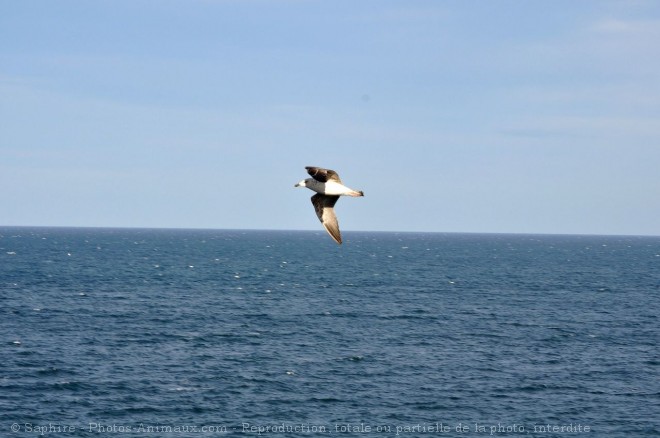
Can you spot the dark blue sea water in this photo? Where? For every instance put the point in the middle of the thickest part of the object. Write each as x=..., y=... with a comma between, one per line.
x=125, y=332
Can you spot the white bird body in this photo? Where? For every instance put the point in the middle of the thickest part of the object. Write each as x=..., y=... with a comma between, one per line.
x=330, y=188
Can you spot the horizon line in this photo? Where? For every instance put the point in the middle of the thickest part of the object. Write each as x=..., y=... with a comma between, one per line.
x=96, y=227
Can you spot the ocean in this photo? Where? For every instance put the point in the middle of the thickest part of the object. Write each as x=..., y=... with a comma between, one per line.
x=148, y=332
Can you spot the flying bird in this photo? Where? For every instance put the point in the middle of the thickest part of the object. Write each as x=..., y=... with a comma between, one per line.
x=328, y=188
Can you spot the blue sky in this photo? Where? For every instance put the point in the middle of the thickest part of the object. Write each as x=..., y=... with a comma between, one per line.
x=452, y=116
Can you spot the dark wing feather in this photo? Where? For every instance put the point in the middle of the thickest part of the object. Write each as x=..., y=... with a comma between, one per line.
x=324, y=207
x=322, y=175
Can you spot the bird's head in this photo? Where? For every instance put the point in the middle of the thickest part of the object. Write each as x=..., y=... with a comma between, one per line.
x=302, y=183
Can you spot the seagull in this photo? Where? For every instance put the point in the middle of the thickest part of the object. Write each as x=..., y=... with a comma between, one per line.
x=328, y=188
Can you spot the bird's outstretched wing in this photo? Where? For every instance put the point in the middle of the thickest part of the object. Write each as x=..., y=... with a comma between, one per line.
x=324, y=207
x=323, y=175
